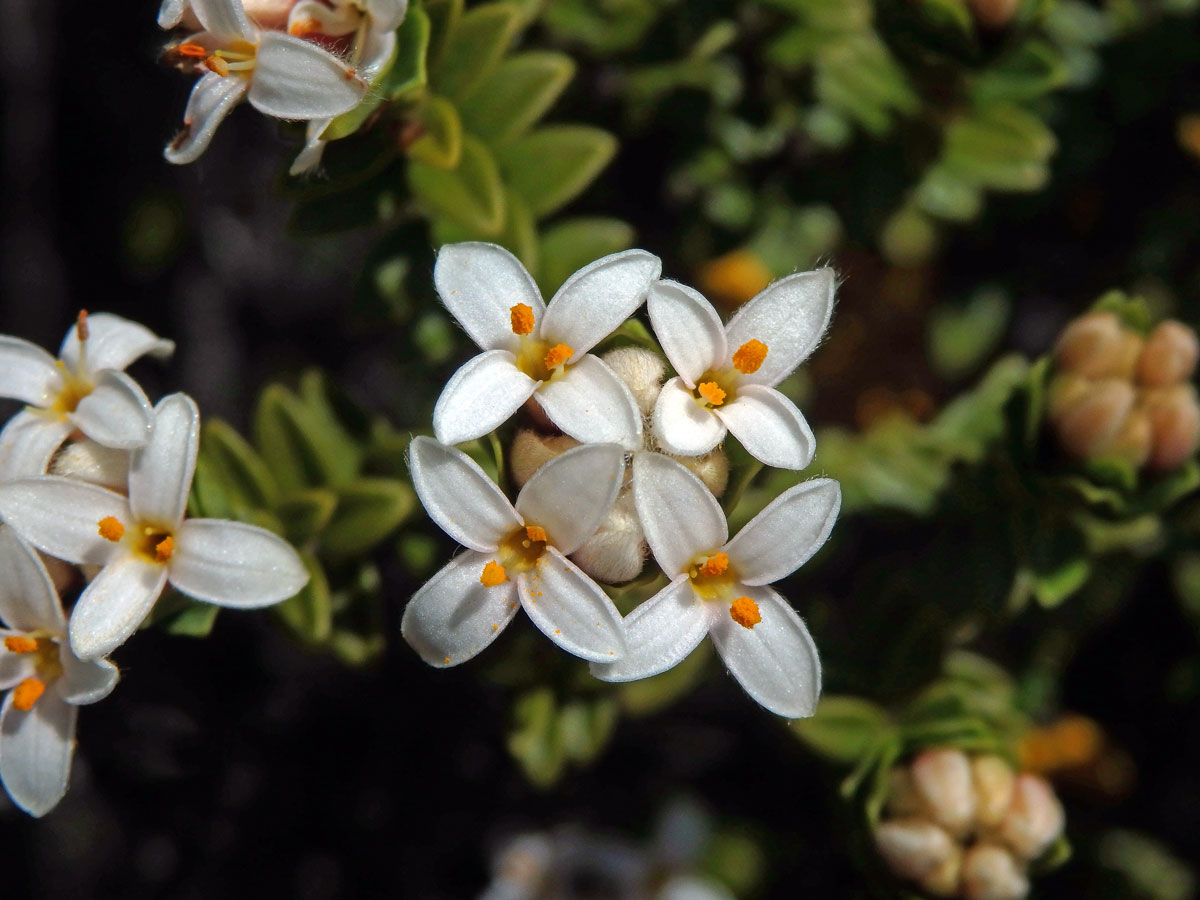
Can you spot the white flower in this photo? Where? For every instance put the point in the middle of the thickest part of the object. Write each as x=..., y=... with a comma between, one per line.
x=144, y=541
x=281, y=75
x=515, y=556
x=84, y=388
x=47, y=681
x=727, y=374
x=719, y=587
x=539, y=351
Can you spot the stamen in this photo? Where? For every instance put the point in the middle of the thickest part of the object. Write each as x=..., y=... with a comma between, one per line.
x=81, y=326
x=193, y=50
x=493, y=574
x=715, y=565
x=535, y=533
x=522, y=318
x=745, y=612
x=111, y=529
x=749, y=357
x=27, y=692
x=302, y=28
x=217, y=65
x=164, y=549
x=557, y=355
x=710, y=392
x=19, y=643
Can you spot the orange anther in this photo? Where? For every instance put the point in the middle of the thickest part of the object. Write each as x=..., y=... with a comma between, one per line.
x=304, y=27
x=493, y=574
x=193, y=50
x=535, y=533
x=557, y=355
x=19, y=643
x=749, y=357
x=522, y=318
x=710, y=392
x=27, y=692
x=164, y=549
x=111, y=528
x=217, y=65
x=715, y=565
x=446, y=660
x=744, y=611
x=81, y=328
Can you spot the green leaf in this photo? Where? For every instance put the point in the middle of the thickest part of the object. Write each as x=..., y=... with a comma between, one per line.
x=305, y=513
x=517, y=94
x=408, y=74
x=586, y=728
x=356, y=649
x=208, y=497
x=1033, y=68
x=441, y=144
x=534, y=739
x=195, y=620
x=844, y=728
x=960, y=338
x=349, y=122
x=551, y=166
x=303, y=450
x=471, y=195
x=475, y=47
x=444, y=16
x=573, y=243
x=309, y=614
x=242, y=471
x=1053, y=587
x=368, y=510
x=649, y=695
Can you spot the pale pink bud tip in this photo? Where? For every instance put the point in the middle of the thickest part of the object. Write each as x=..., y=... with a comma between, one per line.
x=942, y=778
x=1089, y=424
x=1175, y=422
x=1034, y=820
x=1169, y=356
x=991, y=873
x=912, y=848
x=1097, y=345
x=993, y=779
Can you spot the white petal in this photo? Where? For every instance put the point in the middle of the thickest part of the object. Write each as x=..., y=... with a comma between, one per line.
x=113, y=343
x=786, y=534
x=681, y=425
x=386, y=15
x=160, y=474
x=776, y=660
x=225, y=18
x=480, y=284
x=592, y=404
x=234, y=564
x=459, y=496
x=27, y=372
x=453, y=617
x=571, y=494
x=310, y=154
x=28, y=442
x=112, y=607
x=594, y=301
x=659, y=634
x=689, y=329
x=35, y=752
x=116, y=413
x=61, y=517
x=28, y=600
x=789, y=316
x=84, y=682
x=295, y=79
x=680, y=517
x=482, y=395
x=769, y=426
x=375, y=51
x=170, y=14
x=210, y=102
x=571, y=610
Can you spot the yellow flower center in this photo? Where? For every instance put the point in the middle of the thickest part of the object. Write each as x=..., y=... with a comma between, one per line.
x=717, y=387
x=152, y=542
x=712, y=577
x=519, y=552
x=46, y=665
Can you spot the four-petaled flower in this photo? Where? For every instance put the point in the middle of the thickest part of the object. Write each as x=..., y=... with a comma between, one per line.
x=85, y=389
x=46, y=682
x=719, y=587
x=281, y=75
x=536, y=350
x=144, y=541
x=515, y=556
x=728, y=373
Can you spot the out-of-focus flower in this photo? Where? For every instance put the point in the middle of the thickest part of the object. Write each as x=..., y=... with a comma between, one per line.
x=991, y=873
x=942, y=779
x=727, y=373
x=735, y=277
x=1098, y=345
x=280, y=74
x=536, y=350
x=719, y=587
x=85, y=388
x=143, y=541
x=46, y=682
x=1034, y=819
x=516, y=556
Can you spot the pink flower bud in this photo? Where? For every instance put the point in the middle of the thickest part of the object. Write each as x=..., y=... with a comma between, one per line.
x=1133, y=441
x=1034, y=820
x=990, y=873
x=1169, y=356
x=268, y=14
x=1094, y=419
x=529, y=450
x=943, y=879
x=993, y=13
x=1066, y=389
x=993, y=779
x=942, y=778
x=1175, y=422
x=912, y=848
x=1098, y=345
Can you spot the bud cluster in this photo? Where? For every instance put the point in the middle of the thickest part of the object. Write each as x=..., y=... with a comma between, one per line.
x=1119, y=395
x=967, y=826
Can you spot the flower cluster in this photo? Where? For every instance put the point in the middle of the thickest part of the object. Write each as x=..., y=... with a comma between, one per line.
x=97, y=479
x=617, y=464
x=967, y=827
x=305, y=60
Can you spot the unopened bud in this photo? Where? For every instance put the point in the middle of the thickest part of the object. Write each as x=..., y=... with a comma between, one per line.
x=1175, y=421
x=1169, y=356
x=530, y=450
x=88, y=461
x=943, y=879
x=1098, y=345
x=990, y=873
x=993, y=779
x=1066, y=389
x=712, y=468
x=268, y=14
x=1034, y=820
x=942, y=778
x=912, y=848
x=617, y=551
x=1094, y=419
x=1133, y=441
x=642, y=371
x=993, y=13
x=902, y=797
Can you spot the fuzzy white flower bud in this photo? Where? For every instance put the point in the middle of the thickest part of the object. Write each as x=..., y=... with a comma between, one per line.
x=942, y=778
x=1098, y=345
x=1096, y=417
x=1169, y=356
x=993, y=779
x=642, y=371
x=990, y=873
x=913, y=848
x=85, y=460
x=712, y=468
x=1034, y=820
x=1174, y=415
x=529, y=450
x=618, y=549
